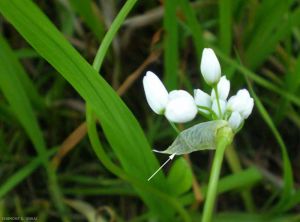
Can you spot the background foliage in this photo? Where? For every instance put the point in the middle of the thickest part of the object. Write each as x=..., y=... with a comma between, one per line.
x=52, y=97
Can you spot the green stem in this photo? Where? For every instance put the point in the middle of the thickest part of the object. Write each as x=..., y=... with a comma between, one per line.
x=174, y=127
x=235, y=165
x=218, y=101
x=214, y=115
x=109, y=36
x=224, y=138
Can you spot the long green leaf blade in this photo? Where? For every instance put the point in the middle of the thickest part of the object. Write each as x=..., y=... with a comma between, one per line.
x=119, y=125
x=288, y=188
x=15, y=93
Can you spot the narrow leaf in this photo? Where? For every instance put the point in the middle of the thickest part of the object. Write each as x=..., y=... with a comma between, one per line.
x=15, y=93
x=171, y=44
x=85, y=10
x=288, y=188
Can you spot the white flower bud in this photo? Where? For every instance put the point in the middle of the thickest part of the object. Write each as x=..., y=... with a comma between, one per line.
x=181, y=107
x=242, y=103
x=248, y=109
x=215, y=107
x=235, y=120
x=156, y=93
x=223, y=88
x=202, y=99
x=210, y=67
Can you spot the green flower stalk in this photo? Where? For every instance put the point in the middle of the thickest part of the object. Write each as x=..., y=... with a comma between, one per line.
x=224, y=139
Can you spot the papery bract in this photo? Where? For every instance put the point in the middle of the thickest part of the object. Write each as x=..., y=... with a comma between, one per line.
x=198, y=137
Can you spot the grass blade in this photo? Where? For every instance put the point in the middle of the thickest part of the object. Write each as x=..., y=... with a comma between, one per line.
x=288, y=187
x=22, y=174
x=171, y=44
x=14, y=92
x=291, y=84
x=111, y=33
x=194, y=25
x=258, y=79
x=85, y=10
x=270, y=32
x=225, y=23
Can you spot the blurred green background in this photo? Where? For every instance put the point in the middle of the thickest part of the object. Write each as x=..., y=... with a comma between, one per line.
x=76, y=131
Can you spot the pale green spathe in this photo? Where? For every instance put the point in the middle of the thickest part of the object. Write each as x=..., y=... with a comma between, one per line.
x=199, y=137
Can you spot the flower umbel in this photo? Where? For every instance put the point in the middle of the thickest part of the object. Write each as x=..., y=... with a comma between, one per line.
x=179, y=106
x=236, y=110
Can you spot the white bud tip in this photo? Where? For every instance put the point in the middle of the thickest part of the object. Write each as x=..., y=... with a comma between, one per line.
x=210, y=67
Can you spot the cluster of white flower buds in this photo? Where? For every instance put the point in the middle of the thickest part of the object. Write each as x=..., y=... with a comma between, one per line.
x=179, y=106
